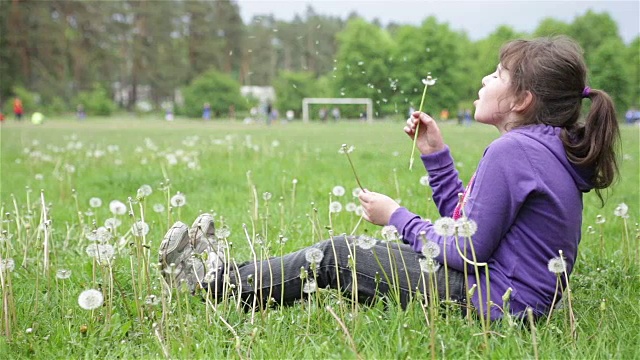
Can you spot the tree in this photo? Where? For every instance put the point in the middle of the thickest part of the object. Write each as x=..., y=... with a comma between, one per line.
x=292, y=87
x=551, y=27
x=592, y=30
x=220, y=90
x=608, y=70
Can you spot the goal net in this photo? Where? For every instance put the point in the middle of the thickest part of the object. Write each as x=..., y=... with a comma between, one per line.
x=337, y=101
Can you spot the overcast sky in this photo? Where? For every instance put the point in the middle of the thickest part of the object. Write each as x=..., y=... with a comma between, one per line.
x=477, y=18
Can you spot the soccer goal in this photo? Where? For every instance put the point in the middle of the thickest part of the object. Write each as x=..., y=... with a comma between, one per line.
x=337, y=101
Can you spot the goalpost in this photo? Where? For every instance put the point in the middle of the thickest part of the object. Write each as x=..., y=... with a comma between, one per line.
x=332, y=101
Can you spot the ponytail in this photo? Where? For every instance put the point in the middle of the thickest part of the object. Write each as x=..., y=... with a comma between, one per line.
x=594, y=143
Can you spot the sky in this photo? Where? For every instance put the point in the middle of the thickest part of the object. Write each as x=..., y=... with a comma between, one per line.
x=477, y=18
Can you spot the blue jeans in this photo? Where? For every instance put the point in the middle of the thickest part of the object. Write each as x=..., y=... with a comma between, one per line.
x=386, y=269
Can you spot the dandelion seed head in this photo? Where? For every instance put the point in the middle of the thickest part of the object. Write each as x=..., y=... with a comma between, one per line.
x=428, y=265
x=90, y=299
x=112, y=223
x=63, y=274
x=140, y=228
x=145, y=190
x=445, y=226
x=621, y=210
x=600, y=219
x=103, y=234
x=350, y=207
x=7, y=265
x=556, y=265
x=424, y=180
x=359, y=210
x=178, y=200
x=117, y=207
x=313, y=255
x=429, y=81
x=430, y=249
x=95, y=202
x=338, y=190
x=266, y=196
x=223, y=232
x=152, y=300
x=158, y=208
x=335, y=207
x=356, y=192
x=466, y=227
x=310, y=286
x=389, y=233
x=365, y=242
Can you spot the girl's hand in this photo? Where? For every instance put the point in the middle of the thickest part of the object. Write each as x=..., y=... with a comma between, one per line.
x=429, y=138
x=377, y=207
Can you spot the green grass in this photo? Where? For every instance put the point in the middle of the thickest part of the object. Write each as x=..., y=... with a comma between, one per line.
x=605, y=285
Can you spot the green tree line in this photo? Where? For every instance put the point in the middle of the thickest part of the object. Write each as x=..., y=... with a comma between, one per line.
x=56, y=54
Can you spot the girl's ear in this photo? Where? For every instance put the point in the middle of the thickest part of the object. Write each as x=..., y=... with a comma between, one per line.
x=523, y=104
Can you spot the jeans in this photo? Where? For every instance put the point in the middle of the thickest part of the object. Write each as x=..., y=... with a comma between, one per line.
x=385, y=269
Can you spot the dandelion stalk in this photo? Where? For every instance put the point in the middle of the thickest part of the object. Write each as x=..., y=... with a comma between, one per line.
x=428, y=81
x=346, y=150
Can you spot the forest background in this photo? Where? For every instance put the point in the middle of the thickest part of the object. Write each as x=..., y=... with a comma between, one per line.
x=144, y=55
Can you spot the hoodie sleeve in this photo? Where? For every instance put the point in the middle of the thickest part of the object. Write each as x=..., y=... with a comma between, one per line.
x=443, y=179
x=504, y=179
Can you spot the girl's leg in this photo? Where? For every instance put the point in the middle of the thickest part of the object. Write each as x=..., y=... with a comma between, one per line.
x=385, y=269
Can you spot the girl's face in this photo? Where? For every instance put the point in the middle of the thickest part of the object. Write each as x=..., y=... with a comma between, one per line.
x=494, y=104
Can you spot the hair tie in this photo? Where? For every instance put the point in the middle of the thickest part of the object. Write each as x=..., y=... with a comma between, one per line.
x=585, y=92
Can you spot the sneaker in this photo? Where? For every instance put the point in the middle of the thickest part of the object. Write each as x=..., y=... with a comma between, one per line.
x=202, y=235
x=176, y=258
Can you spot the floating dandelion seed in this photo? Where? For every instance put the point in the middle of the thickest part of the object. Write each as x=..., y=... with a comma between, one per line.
x=158, y=208
x=389, y=233
x=335, y=207
x=466, y=227
x=556, y=265
x=428, y=265
x=338, y=190
x=310, y=286
x=445, y=226
x=63, y=274
x=117, y=207
x=90, y=299
x=365, y=242
x=178, y=200
x=266, y=196
x=621, y=210
x=350, y=207
x=430, y=249
x=314, y=255
x=424, y=181
x=140, y=228
x=95, y=202
x=7, y=265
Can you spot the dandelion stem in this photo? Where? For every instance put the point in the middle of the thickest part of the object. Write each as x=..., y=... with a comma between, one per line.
x=415, y=135
x=354, y=171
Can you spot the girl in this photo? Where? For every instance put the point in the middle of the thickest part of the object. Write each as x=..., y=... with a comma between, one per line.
x=525, y=199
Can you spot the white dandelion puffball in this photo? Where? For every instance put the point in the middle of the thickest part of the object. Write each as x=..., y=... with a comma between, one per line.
x=63, y=274
x=335, y=207
x=95, y=202
x=112, y=223
x=356, y=192
x=429, y=81
x=117, y=207
x=445, y=226
x=152, y=300
x=158, y=208
x=350, y=207
x=145, y=190
x=140, y=228
x=389, y=233
x=466, y=227
x=424, y=181
x=7, y=265
x=103, y=234
x=90, y=299
x=267, y=196
x=338, y=190
x=428, y=265
x=365, y=242
x=223, y=232
x=103, y=253
x=430, y=249
x=310, y=286
x=178, y=200
x=313, y=255
x=359, y=210
x=556, y=265
x=621, y=210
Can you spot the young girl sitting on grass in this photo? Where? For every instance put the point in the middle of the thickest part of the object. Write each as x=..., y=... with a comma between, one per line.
x=521, y=208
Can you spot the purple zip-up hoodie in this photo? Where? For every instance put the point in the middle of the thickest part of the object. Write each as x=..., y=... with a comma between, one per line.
x=527, y=202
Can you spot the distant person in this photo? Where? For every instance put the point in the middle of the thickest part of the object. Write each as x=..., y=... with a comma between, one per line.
x=460, y=116
x=335, y=112
x=290, y=115
x=632, y=115
x=80, y=113
x=268, y=113
x=467, y=117
x=444, y=114
x=232, y=112
x=18, y=109
x=1, y=117
x=323, y=114
x=206, y=111
x=518, y=213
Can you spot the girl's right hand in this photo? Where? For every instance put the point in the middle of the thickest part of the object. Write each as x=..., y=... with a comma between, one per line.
x=429, y=138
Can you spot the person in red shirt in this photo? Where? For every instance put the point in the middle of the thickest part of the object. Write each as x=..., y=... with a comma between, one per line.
x=18, y=110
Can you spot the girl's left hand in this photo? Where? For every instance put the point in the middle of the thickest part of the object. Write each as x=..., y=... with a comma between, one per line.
x=377, y=207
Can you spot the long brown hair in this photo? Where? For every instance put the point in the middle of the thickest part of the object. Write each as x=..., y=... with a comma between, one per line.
x=554, y=72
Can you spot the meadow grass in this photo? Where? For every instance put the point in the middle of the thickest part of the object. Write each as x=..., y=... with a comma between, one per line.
x=226, y=168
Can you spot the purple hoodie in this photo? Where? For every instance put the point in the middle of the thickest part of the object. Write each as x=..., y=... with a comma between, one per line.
x=527, y=202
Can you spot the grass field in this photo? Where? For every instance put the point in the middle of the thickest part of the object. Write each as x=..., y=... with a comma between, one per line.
x=228, y=168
